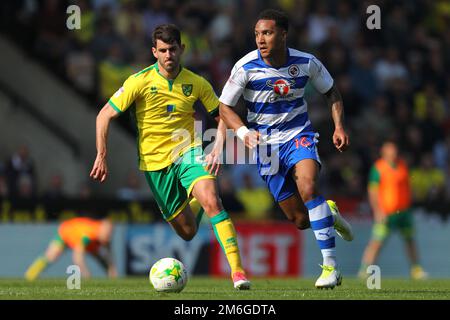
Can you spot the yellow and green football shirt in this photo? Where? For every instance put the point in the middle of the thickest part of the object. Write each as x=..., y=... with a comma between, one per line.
x=164, y=113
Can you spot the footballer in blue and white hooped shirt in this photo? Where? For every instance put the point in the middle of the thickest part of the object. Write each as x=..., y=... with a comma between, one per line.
x=274, y=96
x=278, y=111
x=272, y=81
x=274, y=99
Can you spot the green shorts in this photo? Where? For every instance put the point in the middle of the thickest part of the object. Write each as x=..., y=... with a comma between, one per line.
x=402, y=221
x=172, y=186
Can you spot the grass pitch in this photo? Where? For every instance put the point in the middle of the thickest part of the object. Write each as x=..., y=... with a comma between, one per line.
x=206, y=288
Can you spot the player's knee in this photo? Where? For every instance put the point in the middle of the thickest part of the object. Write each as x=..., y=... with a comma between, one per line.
x=212, y=205
x=300, y=220
x=188, y=235
x=188, y=232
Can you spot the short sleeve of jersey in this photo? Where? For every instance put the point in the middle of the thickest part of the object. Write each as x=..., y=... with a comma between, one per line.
x=234, y=87
x=374, y=176
x=126, y=95
x=319, y=75
x=209, y=98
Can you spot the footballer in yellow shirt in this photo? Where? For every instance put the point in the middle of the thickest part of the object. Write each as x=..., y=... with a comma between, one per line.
x=163, y=96
x=164, y=112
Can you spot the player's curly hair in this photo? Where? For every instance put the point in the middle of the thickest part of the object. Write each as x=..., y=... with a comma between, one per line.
x=168, y=33
x=281, y=18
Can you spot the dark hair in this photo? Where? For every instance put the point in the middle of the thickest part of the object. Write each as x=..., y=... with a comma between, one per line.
x=281, y=19
x=390, y=139
x=168, y=33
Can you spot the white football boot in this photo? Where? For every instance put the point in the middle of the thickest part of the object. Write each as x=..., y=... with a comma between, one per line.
x=240, y=281
x=330, y=277
x=342, y=227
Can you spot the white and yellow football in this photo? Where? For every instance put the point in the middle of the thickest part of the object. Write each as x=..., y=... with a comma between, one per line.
x=168, y=275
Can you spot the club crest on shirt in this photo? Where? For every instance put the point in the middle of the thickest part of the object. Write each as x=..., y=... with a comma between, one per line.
x=187, y=89
x=281, y=87
x=293, y=70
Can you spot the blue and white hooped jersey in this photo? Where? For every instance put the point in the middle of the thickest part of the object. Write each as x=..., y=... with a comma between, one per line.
x=274, y=96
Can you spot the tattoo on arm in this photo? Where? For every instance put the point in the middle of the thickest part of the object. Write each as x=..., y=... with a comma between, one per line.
x=334, y=99
x=333, y=95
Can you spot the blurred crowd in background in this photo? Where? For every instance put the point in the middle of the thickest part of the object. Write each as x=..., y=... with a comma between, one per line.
x=394, y=81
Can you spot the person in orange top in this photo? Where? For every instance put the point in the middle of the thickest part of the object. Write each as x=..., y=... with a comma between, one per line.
x=390, y=199
x=82, y=235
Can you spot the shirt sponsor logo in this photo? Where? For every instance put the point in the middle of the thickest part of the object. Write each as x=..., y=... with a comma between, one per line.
x=281, y=88
x=170, y=110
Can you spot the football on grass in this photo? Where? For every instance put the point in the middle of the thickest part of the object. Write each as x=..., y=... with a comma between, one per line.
x=168, y=275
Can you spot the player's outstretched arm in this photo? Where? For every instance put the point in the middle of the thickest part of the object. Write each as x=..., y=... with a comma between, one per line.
x=340, y=137
x=233, y=121
x=99, y=170
x=106, y=260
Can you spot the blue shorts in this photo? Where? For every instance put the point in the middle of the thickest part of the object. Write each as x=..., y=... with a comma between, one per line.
x=278, y=176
